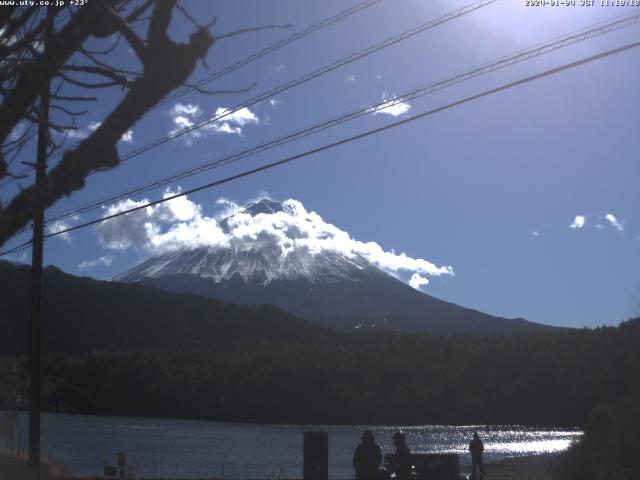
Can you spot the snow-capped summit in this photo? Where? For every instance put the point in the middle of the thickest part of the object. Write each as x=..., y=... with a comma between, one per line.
x=265, y=205
x=255, y=259
x=223, y=264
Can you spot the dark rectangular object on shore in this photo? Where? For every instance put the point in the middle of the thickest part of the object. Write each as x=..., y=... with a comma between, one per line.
x=315, y=456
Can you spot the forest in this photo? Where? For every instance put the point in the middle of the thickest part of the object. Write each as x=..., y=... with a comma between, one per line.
x=543, y=378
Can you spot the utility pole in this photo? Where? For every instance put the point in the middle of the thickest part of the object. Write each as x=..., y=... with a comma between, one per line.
x=35, y=320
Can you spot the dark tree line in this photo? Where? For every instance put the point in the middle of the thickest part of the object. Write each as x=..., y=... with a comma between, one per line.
x=609, y=447
x=540, y=379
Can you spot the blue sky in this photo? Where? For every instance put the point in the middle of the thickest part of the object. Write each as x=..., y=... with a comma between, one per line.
x=490, y=188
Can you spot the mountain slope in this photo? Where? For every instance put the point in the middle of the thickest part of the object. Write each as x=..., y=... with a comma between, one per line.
x=82, y=314
x=375, y=302
x=328, y=287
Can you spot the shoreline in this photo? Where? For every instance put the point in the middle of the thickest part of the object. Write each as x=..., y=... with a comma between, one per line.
x=519, y=425
x=531, y=467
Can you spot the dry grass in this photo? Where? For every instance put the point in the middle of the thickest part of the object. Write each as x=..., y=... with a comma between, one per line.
x=11, y=468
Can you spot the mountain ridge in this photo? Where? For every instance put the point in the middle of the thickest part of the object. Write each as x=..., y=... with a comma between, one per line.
x=83, y=314
x=327, y=287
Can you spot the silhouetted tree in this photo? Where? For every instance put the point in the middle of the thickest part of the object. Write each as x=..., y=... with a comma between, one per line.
x=609, y=447
x=26, y=68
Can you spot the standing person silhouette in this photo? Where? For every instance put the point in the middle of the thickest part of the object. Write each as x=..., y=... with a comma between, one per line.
x=476, y=447
x=367, y=457
x=402, y=465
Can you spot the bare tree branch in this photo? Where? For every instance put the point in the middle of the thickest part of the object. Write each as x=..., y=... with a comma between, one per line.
x=71, y=113
x=167, y=65
x=133, y=16
x=159, y=23
x=25, y=40
x=13, y=24
x=127, y=32
x=108, y=50
x=105, y=72
x=102, y=64
x=80, y=83
x=73, y=99
x=17, y=176
x=32, y=80
x=15, y=149
x=193, y=21
x=54, y=126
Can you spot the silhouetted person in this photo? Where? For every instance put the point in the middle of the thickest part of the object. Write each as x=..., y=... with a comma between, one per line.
x=367, y=458
x=402, y=465
x=476, y=447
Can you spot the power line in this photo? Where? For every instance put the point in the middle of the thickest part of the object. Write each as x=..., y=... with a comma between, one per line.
x=251, y=58
x=17, y=248
x=346, y=140
x=257, y=55
x=310, y=76
x=503, y=62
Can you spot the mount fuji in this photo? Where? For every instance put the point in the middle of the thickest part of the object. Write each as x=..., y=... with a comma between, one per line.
x=333, y=288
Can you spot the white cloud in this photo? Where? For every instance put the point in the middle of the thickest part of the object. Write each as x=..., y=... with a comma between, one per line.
x=188, y=109
x=184, y=116
x=392, y=106
x=145, y=228
x=350, y=78
x=98, y=262
x=578, y=222
x=181, y=224
x=535, y=233
x=82, y=133
x=187, y=115
x=276, y=68
x=234, y=121
x=417, y=281
x=615, y=223
x=127, y=137
x=60, y=225
x=274, y=102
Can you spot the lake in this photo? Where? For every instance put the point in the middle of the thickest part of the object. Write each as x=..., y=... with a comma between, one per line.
x=171, y=448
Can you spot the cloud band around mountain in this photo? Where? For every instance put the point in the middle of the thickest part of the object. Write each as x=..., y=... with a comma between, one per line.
x=181, y=224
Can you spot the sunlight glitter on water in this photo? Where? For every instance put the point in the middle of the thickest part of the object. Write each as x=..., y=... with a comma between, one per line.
x=172, y=448
x=531, y=447
x=499, y=442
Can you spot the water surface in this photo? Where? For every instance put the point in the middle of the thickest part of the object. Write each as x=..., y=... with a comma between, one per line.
x=171, y=448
